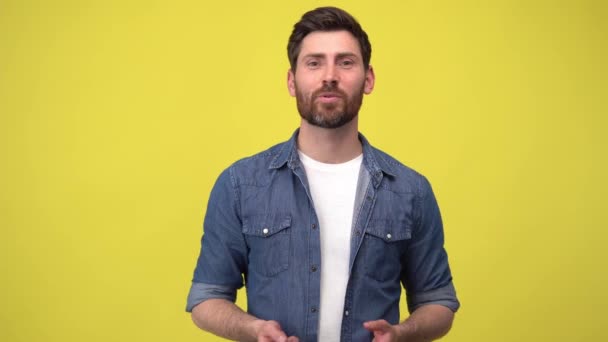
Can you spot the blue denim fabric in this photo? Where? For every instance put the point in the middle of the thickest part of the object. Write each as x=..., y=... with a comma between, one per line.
x=261, y=231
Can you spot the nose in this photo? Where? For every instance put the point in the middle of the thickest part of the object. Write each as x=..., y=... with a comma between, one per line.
x=331, y=76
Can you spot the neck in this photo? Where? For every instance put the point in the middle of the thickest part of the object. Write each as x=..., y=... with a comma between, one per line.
x=330, y=145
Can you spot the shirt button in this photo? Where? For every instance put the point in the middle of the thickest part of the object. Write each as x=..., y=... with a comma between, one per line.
x=346, y=313
x=358, y=232
x=313, y=268
x=314, y=226
x=389, y=236
x=313, y=309
x=265, y=231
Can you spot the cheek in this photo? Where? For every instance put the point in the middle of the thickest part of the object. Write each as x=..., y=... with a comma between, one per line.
x=355, y=87
x=303, y=90
x=305, y=81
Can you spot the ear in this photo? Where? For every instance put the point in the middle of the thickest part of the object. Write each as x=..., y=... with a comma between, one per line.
x=370, y=79
x=291, y=82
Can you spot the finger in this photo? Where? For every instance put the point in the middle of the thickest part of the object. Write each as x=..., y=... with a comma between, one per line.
x=269, y=338
x=293, y=339
x=279, y=336
x=379, y=325
x=272, y=332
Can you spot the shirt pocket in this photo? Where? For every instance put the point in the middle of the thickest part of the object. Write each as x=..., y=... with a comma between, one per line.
x=384, y=243
x=268, y=238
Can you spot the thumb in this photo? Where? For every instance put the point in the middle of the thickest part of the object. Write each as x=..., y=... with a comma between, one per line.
x=272, y=332
x=379, y=325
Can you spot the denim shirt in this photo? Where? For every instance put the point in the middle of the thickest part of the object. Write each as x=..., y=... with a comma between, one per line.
x=261, y=231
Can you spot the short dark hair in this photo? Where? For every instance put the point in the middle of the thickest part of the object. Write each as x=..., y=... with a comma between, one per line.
x=327, y=19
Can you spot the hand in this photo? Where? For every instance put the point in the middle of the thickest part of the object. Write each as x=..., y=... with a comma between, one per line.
x=270, y=331
x=383, y=331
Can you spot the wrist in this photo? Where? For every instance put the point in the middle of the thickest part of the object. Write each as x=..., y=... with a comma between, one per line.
x=254, y=328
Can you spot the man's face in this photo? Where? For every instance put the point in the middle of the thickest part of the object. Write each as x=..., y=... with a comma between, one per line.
x=330, y=79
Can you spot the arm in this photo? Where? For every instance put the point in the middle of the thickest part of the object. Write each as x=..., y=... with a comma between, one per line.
x=219, y=273
x=223, y=318
x=427, y=323
x=430, y=293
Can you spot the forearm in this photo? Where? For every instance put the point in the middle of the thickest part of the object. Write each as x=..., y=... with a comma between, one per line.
x=224, y=318
x=427, y=323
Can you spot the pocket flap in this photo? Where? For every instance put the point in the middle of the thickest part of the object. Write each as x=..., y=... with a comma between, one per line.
x=265, y=225
x=389, y=230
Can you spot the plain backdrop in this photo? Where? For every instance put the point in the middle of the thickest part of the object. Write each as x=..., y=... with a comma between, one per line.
x=116, y=117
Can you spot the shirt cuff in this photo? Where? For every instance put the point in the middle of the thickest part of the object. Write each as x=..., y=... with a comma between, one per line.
x=445, y=296
x=200, y=292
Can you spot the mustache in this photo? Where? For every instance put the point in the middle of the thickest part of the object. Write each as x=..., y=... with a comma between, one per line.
x=329, y=88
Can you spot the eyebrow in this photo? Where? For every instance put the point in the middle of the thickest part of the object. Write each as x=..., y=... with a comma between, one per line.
x=339, y=55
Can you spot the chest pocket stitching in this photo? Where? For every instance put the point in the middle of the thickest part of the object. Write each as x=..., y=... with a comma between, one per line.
x=383, y=253
x=266, y=225
x=268, y=238
x=398, y=230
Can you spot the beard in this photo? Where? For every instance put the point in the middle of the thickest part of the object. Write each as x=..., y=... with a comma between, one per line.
x=329, y=115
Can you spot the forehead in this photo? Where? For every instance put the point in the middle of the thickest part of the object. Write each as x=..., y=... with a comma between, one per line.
x=329, y=43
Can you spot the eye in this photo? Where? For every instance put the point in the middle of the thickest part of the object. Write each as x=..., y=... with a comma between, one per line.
x=346, y=63
x=313, y=64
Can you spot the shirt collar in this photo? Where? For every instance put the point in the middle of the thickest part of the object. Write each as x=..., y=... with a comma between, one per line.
x=374, y=162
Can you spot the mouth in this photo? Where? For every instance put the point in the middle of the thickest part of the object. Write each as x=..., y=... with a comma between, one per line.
x=328, y=97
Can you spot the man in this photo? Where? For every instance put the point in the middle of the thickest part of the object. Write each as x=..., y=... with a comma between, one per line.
x=323, y=229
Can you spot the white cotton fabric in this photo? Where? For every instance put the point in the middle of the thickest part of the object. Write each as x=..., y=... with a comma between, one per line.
x=333, y=188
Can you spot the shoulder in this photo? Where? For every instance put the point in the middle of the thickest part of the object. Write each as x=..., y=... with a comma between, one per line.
x=400, y=177
x=255, y=169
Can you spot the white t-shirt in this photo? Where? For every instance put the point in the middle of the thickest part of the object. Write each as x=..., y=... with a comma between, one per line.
x=333, y=188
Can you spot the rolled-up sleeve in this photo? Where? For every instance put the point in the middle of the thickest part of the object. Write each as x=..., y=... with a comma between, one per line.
x=200, y=292
x=223, y=256
x=426, y=274
x=445, y=296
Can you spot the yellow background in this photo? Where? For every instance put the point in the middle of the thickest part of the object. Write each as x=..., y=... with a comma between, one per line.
x=116, y=117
